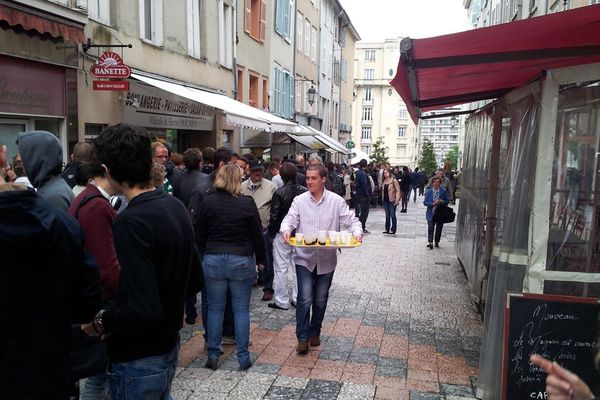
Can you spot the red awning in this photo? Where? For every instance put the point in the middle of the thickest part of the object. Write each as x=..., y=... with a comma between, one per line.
x=31, y=19
x=487, y=63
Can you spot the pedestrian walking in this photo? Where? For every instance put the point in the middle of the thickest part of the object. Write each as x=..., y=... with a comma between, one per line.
x=390, y=192
x=405, y=182
x=318, y=209
x=229, y=234
x=363, y=194
x=283, y=252
x=48, y=283
x=414, y=184
x=261, y=190
x=154, y=240
x=434, y=197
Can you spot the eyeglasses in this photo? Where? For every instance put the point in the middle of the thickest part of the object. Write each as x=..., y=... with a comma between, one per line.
x=161, y=156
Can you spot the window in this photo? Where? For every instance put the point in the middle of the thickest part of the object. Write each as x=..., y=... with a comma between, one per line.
x=401, y=150
x=255, y=18
x=299, y=32
x=367, y=114
x=366, y=149
x=193, y=27
x=253, y=91
x=299, y=91
x=368, y=94
x=313, y=44
x=369, y=55
x=402, y=113
x=283, y=18
x=265, y=94
x=307, y=42
x=401, y=131
x=365, y=132
x=99, y=10
x=369, y=74
x=225, y=35
x=283, y=92
x=151, y=19
x=344, y=70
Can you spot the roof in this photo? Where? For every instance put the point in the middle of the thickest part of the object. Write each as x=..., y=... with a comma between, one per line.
x=489, y=62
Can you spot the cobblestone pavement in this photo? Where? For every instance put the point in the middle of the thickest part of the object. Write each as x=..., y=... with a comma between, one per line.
x=399, y=325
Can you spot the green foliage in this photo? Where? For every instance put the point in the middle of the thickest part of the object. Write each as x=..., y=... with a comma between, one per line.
x=378, y=152
x=427, y=162
x=452, y=156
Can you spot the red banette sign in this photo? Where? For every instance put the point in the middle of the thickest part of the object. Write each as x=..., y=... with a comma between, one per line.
x=111, y=85
x=110, y=65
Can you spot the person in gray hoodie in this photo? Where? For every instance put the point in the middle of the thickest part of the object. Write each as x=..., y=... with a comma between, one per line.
x=41, y=154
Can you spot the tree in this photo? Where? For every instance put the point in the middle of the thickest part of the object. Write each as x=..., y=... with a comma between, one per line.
x=427, y=162
x=378, y=154
x=452, y=156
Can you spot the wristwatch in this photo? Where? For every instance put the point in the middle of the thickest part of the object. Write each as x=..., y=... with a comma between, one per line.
x=98, y=323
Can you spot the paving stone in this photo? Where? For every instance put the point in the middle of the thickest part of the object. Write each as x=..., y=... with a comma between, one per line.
x=414, y=395
x=266, y=368
x=321, y=390
x=364, y=355
x=456, y=390
x=247, y=390
x=284, y=393
x=391, y=367
x=352, y=391
x=291, y=382
x=207, y=396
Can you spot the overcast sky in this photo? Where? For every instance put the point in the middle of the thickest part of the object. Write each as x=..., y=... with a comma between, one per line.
x=376, y=20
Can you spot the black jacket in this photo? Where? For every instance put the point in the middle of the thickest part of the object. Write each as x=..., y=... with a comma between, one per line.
x=154, y=241
x=185, y=185
x=227, y=224
x=47, y=282
x=281, y=203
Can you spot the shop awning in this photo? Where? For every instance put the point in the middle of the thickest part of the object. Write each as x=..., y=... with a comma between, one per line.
x=308, y=141
x=33, y=20
x=489, y=62
x=236, y=112
x=328, y=141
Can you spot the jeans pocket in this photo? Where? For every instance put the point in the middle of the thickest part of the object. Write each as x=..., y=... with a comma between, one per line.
x=150, y=387
x=115, y=385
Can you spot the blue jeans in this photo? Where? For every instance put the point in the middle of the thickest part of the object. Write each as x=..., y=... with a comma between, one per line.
x=268, y=274
x=236, y=273
x=93, y=388
x=390, y=216
x=146, y=378
x=313, y=292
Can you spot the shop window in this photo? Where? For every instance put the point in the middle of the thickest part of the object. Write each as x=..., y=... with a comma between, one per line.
x=255, y=18
x=151, y=21
x=253, y=91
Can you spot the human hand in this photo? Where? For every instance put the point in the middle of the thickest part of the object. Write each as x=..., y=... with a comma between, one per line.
x=3, y=156
x=562, y=384
x=286, y=237
x=90, y=330
x=260, y=267
x=358, y=237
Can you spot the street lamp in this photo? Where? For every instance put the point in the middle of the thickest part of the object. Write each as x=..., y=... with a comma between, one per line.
x=453, y=121
x=311, y=93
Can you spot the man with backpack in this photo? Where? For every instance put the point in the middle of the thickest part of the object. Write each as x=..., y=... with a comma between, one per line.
x=335, y=181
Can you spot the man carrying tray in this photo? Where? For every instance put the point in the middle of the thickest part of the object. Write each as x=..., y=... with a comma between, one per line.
x=311, y=212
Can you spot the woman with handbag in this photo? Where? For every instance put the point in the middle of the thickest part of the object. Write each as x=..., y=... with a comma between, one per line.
x=390, y=193
x=435, y=197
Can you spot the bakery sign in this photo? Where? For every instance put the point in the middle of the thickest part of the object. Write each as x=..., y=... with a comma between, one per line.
x=110, y=66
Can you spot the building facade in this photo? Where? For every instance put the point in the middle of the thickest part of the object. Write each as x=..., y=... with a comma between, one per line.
x=378, y=109
x=348, y=39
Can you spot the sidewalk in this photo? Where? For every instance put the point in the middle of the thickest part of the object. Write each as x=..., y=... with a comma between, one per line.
x=399, y=325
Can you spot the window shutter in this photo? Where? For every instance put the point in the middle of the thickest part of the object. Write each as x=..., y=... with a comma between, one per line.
x=278, y=19
x=247, y=15
x=286, y=19
x=263, y=20
x=290, y=96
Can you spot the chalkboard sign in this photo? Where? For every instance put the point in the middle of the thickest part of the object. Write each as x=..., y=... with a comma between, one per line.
x=562, y=329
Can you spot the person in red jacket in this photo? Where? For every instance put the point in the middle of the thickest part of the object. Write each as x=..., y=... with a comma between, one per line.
x=92, y=209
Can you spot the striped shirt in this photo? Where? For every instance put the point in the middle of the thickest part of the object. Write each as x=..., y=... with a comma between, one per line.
x=331, y=213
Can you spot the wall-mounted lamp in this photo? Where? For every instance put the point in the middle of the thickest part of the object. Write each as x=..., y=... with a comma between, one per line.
x=311, y=93
x=135, y=103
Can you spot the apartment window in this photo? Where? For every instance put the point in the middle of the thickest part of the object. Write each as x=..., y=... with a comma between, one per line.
x=283, y=92
x=298, y=105
x=240, y=84
x=265, y=94
x=369, y=55
x=368, y=94
x=99, y=10
x=365, y=132
x=255, y=18
x=403, y=113
x=401, y=151
x=401, y=131
x=193, y=27
x=307, y=42
x=313, y=43
x=283, y=18
x=151, y=28
x=300, y=32
x=253, y=90
x=366, y=149
x=344, y=71
x=225, y=35
x=369, y=74
x=367, y=114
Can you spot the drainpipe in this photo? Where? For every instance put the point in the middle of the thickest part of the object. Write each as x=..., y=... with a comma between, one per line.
x=234, y=50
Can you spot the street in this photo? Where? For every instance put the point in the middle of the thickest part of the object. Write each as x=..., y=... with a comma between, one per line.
x=399, y=325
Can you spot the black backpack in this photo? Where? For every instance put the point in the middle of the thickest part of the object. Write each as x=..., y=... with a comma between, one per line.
x=337, y=183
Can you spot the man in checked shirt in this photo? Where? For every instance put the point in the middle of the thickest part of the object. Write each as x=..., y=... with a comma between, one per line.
x=314, y=211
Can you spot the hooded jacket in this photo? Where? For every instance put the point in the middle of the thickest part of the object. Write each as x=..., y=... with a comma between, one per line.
x=47, y=282
x=41, y=153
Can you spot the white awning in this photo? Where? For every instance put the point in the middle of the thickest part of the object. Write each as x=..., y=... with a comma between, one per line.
x=236, y=112
x=328, y=141
x=308, y=141
x=358, y=155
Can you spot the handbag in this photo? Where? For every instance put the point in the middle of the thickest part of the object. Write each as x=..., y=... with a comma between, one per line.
x=87, y=355
x=444, y=214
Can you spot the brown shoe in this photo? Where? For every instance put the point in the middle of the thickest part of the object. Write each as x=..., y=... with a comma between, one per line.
x=267, y=296
x=302, y=347
x=315, y=341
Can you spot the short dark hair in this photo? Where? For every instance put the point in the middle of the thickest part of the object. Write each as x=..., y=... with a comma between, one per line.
x=222, y=154
x=192, y=158
x=362, y=163
x=329, y=166
x=317, y=167
x=82, y=152
x=208, y=154
x=249, y=157
x=127, y=153
x=288, y=172
x=276, y=159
